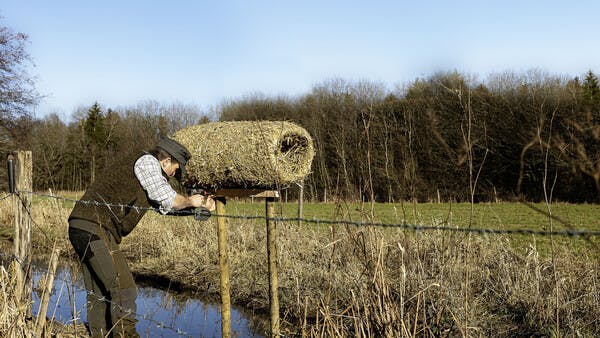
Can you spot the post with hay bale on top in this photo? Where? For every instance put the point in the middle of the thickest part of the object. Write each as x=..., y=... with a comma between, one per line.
x=243, y=159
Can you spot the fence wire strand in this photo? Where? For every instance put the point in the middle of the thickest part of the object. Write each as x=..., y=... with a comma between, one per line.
x=571, y=232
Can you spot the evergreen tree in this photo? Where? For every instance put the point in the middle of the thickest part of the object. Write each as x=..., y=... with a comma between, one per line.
x=95, y=134
x=591, y=90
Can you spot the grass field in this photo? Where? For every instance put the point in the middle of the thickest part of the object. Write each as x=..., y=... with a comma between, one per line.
x=496, y=216
x=485, y=215
x=339, y=280
x=503, y=215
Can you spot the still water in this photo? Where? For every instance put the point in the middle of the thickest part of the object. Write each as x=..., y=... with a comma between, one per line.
x=160, y=313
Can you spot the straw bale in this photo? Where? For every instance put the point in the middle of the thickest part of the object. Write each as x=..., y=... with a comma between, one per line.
x=246, y=154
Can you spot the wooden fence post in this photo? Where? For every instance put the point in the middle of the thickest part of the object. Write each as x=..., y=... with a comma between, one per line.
x=300, y=201
x=270, y=196
x=224, y=266
x=23, y=182
x=272, y=258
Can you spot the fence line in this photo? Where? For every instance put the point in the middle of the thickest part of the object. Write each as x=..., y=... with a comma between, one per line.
x=568, y=233
x=483, y=231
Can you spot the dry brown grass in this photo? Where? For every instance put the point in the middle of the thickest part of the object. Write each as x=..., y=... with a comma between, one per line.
x=49, y=226
x=376, y=282
x=347, y=281
x=12, y=315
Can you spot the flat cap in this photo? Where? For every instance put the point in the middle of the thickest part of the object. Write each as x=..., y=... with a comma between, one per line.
x=177, y=151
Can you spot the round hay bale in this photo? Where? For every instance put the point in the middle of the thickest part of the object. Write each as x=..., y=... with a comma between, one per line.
x=246, y=154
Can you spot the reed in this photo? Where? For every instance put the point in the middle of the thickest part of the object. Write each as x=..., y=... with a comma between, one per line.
x=347, y=281
x=344, y=281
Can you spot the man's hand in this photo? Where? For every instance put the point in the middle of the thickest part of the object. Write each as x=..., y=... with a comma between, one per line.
x=202, y=201
x=210, y=204
x=182, y=202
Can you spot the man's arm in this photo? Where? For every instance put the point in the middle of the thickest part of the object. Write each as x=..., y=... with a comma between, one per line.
x=182, y=202
x=149, y=173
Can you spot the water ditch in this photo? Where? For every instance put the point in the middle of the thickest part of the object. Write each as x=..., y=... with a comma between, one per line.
x=161, y=313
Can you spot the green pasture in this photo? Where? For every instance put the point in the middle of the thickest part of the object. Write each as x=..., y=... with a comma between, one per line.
x=531, y=216
x=503, y=215
x=485, y=215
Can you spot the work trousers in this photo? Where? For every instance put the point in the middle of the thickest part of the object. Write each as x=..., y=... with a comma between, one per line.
x=111, y=290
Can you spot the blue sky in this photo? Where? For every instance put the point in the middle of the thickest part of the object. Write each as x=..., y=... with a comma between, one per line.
x=120, y=53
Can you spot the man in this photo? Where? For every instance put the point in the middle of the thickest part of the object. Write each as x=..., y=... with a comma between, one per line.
x=124, y=192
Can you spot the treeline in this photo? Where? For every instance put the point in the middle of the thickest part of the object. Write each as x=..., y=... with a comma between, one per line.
x=447, y=137
x=67, y=156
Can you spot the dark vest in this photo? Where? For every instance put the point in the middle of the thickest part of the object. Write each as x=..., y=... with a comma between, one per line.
x=114, y=185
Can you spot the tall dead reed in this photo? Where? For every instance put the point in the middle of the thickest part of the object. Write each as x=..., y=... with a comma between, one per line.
x=414, y=286
x=347, y=281
x=12, y=314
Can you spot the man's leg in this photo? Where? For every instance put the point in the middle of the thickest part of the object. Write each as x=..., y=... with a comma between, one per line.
x=97, y=304
x=109, y=274
x=81, y=234
x=123, y=309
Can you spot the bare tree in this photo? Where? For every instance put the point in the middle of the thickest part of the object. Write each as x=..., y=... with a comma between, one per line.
x=17, y=88
x=49, y=151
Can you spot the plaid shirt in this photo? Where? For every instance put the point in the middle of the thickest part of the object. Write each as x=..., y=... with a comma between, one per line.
x=149, y=172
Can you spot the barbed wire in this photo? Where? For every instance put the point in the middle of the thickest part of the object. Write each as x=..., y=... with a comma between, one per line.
x=483, y=231
x=5, y=196
x=23, y=203
x=568, y=233
x=414, y=227
x=102, y=298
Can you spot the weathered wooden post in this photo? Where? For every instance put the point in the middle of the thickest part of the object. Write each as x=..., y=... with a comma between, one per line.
x=224, y=267
x=300, y=201
x=272, y=259
x=220, y=199
x=23, y=172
